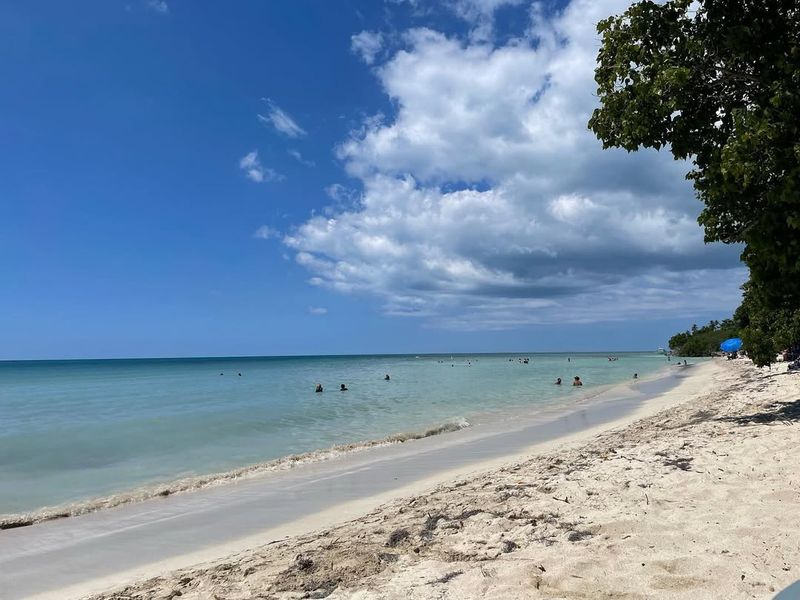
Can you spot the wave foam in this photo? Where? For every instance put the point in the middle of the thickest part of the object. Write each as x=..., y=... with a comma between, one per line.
x=186, y=484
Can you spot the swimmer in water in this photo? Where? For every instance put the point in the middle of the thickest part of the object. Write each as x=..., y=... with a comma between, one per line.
x=318, y=388
x=387, y=378
x=577, y=381
x=636, y=376
x=558, y=381
x=343, y=388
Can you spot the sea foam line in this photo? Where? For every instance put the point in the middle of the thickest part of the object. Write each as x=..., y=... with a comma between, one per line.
x=10, y=521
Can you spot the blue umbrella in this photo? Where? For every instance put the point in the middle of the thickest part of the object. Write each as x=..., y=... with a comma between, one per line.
x=731, y=345
x=790, y=593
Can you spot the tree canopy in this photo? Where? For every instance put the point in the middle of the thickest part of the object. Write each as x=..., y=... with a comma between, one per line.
x=717, y=82
x=703, y=341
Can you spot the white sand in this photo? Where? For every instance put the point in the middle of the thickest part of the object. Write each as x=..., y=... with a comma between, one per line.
x=700, y=500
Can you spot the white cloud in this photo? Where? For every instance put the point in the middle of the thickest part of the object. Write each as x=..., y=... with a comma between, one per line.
x=317, y=310
x=255, y=171
x=480, y=13
x=266, y=232
x=295, y=154
x=281, y=120
x=367, y=45
x=487, y=203
x=340, y=193
x=477, y=13
x=159, y=6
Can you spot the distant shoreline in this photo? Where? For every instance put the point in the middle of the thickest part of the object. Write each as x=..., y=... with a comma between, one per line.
x=246, y=357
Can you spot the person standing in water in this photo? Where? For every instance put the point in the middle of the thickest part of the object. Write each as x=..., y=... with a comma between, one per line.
x=318, y=388
x=558, y=381
x=343, y=388
x=577, y=381
x=636, y=376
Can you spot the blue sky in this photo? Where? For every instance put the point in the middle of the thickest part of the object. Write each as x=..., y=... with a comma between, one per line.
x=186, y=178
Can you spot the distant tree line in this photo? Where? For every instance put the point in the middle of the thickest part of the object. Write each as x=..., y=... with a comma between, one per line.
x=703, y=341
x=716, y=83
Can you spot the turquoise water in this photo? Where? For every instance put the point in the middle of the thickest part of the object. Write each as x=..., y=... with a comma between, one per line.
x=74, y=430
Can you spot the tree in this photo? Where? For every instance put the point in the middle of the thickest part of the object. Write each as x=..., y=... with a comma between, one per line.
x=703, y=341
x=719, y=86
x=765, y=331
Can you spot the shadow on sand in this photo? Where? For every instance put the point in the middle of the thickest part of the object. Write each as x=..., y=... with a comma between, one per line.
x=778, y=412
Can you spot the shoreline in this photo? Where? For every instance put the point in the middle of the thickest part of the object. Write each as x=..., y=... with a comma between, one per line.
x=193, y=483
x=691, y=500
x=200, y=482
x=688, y=382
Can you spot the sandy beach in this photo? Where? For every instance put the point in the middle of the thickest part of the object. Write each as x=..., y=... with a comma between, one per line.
x=693, y=500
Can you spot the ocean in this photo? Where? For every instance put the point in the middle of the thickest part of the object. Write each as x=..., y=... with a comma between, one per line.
x=73, y=431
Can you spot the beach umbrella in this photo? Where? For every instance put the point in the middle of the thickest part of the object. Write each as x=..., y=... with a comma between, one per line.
x=731, y=345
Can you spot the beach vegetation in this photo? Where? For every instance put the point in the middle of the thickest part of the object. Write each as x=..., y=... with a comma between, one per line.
x=766, y=330
x=717, y=84
x=703, y=341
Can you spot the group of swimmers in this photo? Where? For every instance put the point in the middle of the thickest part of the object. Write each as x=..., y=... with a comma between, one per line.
x=344, y=388
x=576, y=381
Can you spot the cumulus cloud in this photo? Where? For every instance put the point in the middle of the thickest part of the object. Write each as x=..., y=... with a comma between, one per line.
x=281, y=120
x=266, y=232
x=340, y=193
x=255, y=171
x=295, y=154
x=159, y=6
x=487, y=203
x=480, y=13
x=367, y=45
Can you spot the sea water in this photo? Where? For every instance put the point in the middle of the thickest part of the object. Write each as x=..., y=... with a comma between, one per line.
x=75, y=430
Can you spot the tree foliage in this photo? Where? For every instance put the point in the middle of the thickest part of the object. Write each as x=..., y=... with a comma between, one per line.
x=703, y=341
x=717, y=82
x=766, y=330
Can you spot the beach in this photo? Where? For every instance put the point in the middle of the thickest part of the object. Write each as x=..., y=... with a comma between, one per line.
x=690, y=495
x=400, y=300
x=65, y=553
x=695, y=501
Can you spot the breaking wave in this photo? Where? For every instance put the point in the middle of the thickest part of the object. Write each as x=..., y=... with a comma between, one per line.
x=203, y=481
